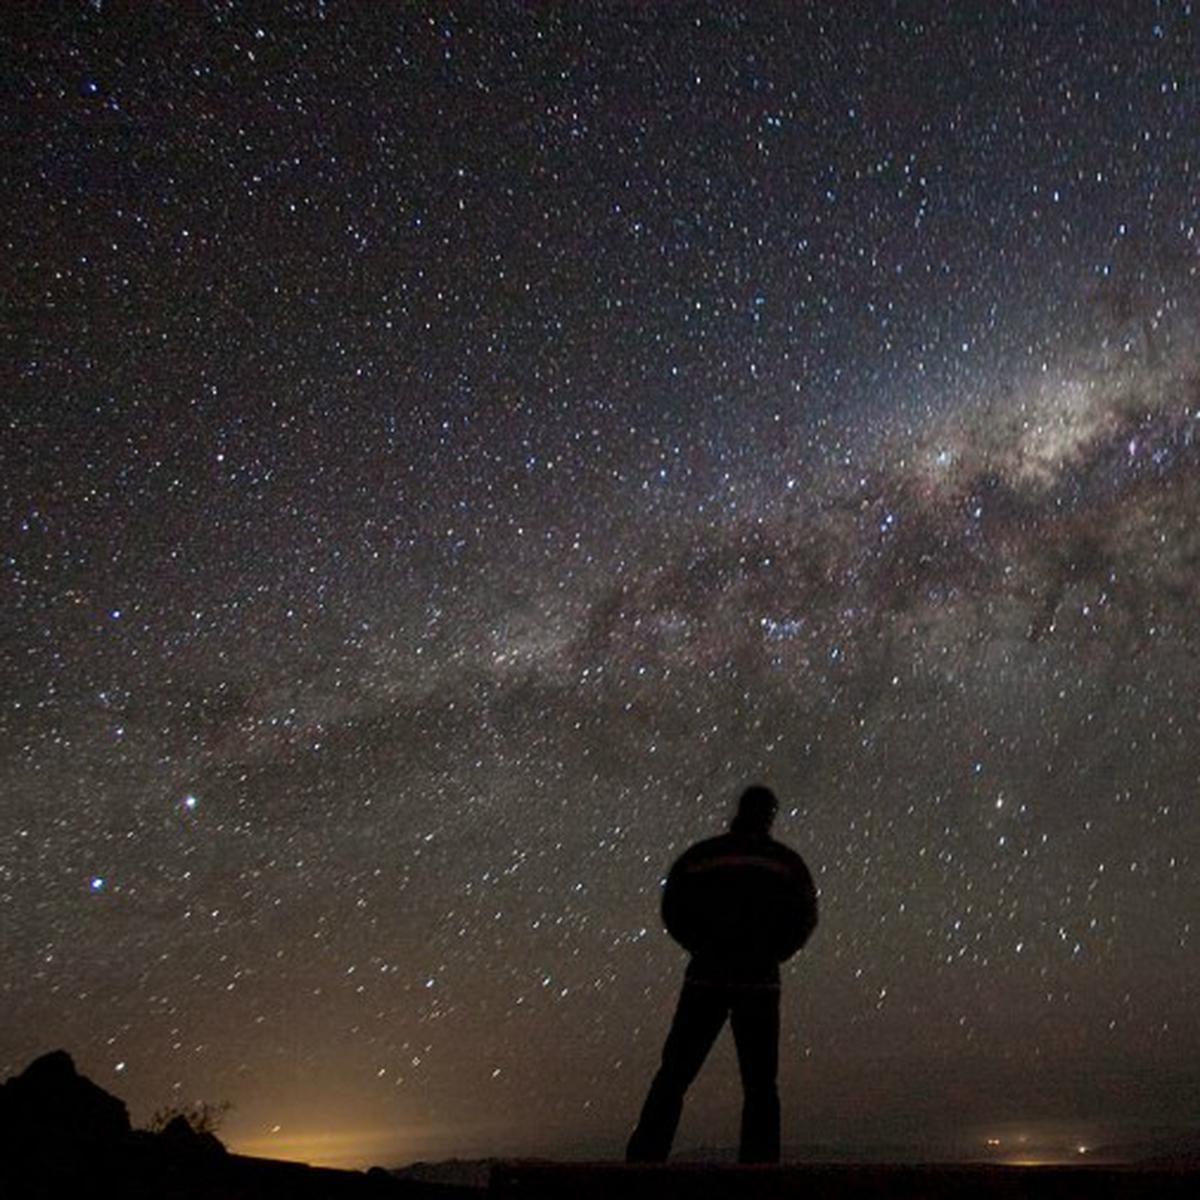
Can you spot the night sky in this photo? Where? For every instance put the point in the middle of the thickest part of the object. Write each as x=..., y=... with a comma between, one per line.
x=449, y=450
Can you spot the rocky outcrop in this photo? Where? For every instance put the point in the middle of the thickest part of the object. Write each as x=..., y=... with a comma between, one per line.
x=50, y=1102
x=61, y=1135
x=180, y=1138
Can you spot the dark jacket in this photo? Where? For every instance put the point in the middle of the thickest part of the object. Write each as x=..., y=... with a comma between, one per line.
x=740, y=904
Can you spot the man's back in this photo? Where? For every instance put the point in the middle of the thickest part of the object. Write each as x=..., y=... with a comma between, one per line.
x=740, y=904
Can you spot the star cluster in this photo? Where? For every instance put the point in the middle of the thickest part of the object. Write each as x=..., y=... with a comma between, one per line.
x=449, y=450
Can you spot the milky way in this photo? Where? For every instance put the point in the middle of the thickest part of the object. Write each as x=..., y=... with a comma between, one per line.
x=448, y=452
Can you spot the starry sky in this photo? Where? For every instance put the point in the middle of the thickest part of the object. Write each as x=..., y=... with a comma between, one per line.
x=449, y=450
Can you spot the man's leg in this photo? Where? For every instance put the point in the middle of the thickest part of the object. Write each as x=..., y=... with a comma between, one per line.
x=754, y=1015
x=698, y=1020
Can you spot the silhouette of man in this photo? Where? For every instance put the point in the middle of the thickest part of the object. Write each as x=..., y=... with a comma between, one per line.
x=740, y=904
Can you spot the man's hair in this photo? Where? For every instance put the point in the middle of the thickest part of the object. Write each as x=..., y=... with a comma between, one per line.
x=756, y=810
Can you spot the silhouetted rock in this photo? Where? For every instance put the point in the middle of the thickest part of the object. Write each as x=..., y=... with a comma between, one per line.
x=50, y=1102
x=61, y=1135
x=180, y=1138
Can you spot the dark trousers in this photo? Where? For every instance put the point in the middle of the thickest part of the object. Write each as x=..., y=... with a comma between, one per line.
x=754, y=1014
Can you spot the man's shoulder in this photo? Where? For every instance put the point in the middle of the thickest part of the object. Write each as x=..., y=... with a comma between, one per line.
x=738, y=848
x=783, y=850
x=701, y=851
x=711, y=845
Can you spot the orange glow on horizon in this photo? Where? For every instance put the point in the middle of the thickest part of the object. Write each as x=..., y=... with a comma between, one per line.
x=346, y=1148
x=357, y=1147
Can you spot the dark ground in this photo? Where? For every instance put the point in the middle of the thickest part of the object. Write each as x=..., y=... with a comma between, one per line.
x=231, y=1177
x=605, y=1181
x=236, y=1177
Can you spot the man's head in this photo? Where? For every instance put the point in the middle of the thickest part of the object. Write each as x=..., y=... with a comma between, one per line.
x=756, y=810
